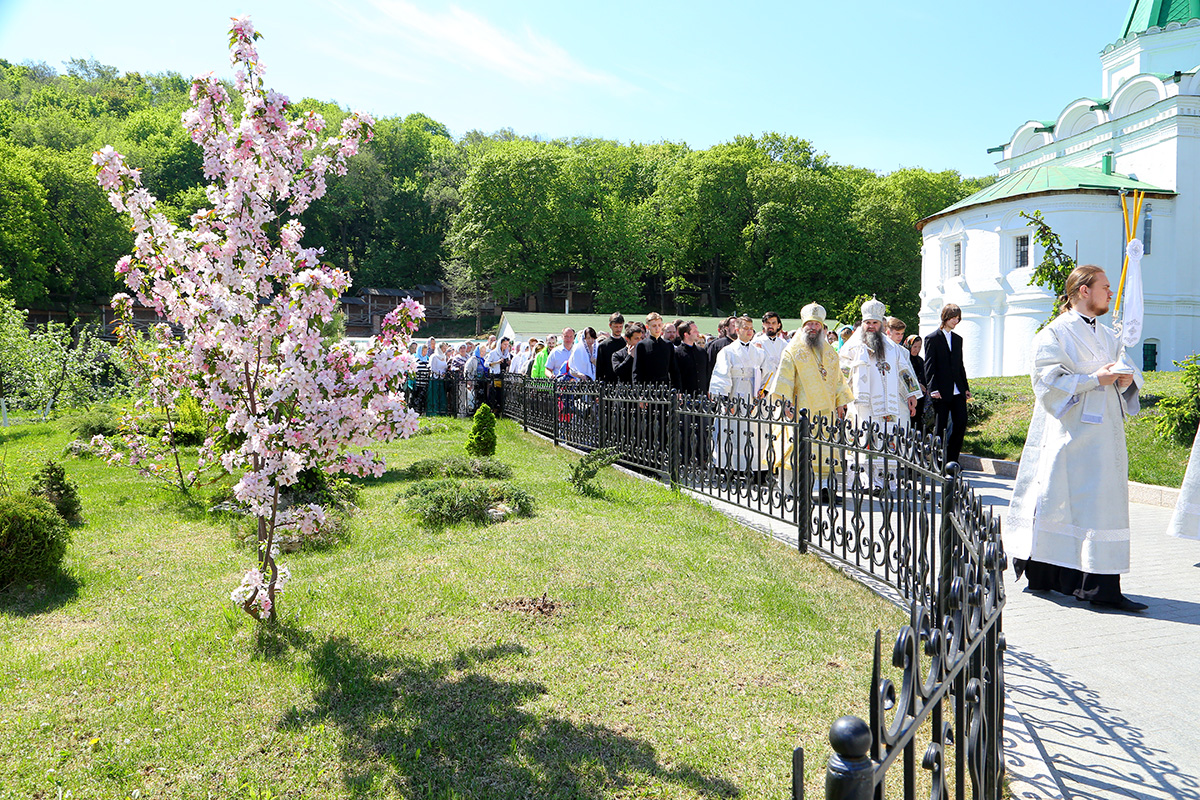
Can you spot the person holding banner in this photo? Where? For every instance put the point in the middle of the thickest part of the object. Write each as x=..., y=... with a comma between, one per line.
x=1068, y=523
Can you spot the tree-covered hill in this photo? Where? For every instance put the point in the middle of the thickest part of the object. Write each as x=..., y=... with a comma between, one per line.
x=757, y=223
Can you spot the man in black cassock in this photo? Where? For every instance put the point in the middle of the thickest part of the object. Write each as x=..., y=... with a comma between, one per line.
x=608, y=347
x=654, y=357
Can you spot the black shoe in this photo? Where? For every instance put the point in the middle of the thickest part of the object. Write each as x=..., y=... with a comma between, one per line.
x=1124, y=604
x=829, y=498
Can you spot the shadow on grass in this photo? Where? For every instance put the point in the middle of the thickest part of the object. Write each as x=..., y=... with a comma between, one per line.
x=447, y=729
x=28, y=598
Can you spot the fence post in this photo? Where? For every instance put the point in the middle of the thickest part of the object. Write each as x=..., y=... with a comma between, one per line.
x=673, y=419
x=524, y=384
x=554, y=412
x=946, y=547
x=798, y=774
x=601, y=400
x=851, y=773
x=802, y=448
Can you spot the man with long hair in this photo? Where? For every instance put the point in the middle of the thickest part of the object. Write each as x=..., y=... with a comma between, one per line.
x=1068, y=523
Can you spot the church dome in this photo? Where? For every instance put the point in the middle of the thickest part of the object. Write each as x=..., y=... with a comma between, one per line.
x=1145, y=14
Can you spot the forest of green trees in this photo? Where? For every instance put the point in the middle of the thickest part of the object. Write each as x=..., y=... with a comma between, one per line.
x=754, y=223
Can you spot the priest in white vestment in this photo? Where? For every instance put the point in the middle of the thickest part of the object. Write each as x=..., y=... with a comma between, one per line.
x=880, y=375
x=737, y=444
x=1068, y=522
x=773, y=342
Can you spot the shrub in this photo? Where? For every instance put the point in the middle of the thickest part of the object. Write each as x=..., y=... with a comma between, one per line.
x=33, y=538
x=447, y=502
x=584, y=471
x=96, y=421
x=457, y=467
x=984, y=403
x=482, y=439
x=1180, y=416
x=50, y=482
x=191, y=424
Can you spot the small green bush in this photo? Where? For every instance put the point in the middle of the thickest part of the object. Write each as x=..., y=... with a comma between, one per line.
x=1179, y=416
x=33, y=538
x=427, y=429
x=482, y=439
x=96, y=421
x=984, y=403
x=50, y=482
x=457, y=467
x=191, y=423
x=584, y=471
x=447, y=502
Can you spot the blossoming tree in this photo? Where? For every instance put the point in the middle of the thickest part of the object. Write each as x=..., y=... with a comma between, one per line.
x=249, y=299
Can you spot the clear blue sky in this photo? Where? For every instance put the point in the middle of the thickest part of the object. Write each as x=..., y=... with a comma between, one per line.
x=875, y=84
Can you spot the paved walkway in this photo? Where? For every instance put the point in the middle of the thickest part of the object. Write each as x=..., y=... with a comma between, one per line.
x=1109, y=699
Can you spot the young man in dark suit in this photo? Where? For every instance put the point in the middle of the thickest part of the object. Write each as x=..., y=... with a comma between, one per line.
x=946, y=378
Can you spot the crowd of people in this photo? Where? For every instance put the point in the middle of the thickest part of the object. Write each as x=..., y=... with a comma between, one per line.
x=867, y=371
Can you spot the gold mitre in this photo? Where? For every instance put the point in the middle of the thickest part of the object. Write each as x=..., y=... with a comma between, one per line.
x=812, y=312
x=873, y=309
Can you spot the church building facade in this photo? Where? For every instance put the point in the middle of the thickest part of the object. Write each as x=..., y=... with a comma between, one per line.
x=1141, y=132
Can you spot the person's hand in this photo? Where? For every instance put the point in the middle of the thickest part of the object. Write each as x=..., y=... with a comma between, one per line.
x=1124, y=381
x=968, y=395
x=841, y=412
x=1106, y=376
x=912, y=406
x=936, y=395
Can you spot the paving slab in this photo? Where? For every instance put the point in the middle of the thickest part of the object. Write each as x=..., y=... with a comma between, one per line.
x=1109, y=697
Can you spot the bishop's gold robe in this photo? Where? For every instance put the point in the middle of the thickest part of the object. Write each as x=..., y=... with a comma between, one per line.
x=809, y=381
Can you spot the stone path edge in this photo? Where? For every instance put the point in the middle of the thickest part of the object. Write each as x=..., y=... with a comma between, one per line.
x=1144, y=493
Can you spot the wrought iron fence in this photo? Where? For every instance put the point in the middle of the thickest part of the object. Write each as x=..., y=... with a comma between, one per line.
x=878, y=500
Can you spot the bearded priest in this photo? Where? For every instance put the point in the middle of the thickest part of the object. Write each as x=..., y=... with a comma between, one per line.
x=809, y=377
x=1068, y=523
x=880, y=375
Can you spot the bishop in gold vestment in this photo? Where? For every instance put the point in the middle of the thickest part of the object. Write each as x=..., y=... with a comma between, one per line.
x=809, y=377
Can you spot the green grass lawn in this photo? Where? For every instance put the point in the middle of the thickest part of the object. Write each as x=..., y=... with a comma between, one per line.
x=1010, y=403
x=688, y=656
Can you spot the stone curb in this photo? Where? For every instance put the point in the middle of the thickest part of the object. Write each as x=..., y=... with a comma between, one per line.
x=1142, y=493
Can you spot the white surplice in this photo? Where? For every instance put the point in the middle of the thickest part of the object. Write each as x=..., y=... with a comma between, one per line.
x=773, y=350
x=1070, y=505
x=881, y=388
x=738, y=373
x=1185, y=522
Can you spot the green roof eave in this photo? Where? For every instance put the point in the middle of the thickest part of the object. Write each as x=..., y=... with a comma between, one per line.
x=998, y=148
x=1049, y=179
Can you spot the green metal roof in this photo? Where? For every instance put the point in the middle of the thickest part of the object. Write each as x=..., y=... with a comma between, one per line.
x=1146, y=14
x=1045, y=179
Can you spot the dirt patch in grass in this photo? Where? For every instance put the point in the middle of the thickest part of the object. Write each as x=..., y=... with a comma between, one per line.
x=543, y=606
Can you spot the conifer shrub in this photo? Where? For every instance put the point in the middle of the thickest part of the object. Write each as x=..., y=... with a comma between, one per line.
x=33, y=538
x=585, y=470
x=482, y=439
x=457, y=467
x=437, y=503
x=50, y=482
